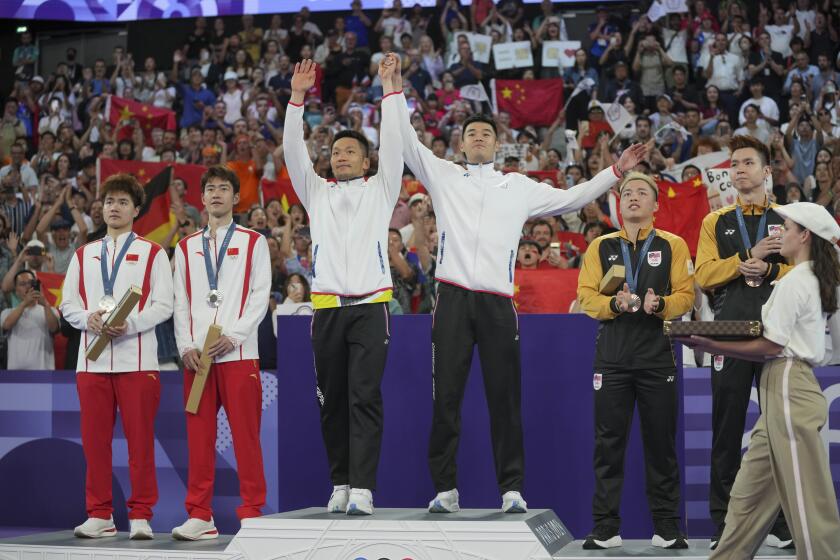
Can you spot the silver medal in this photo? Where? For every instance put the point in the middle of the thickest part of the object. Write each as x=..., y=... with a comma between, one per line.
x=107, y=304
x=635, y=303
x=754, y=281
x=214, y=298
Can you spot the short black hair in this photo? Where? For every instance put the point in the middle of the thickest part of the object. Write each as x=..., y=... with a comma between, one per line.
x=22, y=272
x=220, y=172
x=482, y=118
x=542, y=223
x=127, y=184
x=592, y=225
x=355, y=135
x=741, y=142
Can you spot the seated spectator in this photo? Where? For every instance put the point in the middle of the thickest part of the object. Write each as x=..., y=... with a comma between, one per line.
x=528, y=256
x=753, y=126
x=30, y=326
x=297, y=299
x=683, y=94
x=768, y=110
x=300, y=261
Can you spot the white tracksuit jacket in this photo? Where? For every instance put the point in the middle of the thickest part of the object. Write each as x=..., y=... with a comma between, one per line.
x=480, y=212
x=348, y=220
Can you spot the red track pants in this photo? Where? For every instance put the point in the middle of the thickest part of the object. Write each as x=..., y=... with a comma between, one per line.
x=237, y=387
x=137, y=396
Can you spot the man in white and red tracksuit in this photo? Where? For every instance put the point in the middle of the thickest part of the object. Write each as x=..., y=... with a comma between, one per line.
x=222, y=277
x=126, y=376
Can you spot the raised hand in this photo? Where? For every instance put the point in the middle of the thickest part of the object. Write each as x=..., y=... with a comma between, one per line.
x=631, y=157
x=302, y=79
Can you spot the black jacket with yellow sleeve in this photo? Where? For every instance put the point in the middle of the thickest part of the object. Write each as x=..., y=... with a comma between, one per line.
x=635, y=340
x=719, y=253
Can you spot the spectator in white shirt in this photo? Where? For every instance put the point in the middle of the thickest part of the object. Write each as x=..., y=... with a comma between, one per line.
x=30, y=326
x=752, y=126
x=768, y=110
x=781, y=32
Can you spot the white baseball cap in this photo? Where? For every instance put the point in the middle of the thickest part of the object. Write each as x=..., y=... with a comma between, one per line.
x=416, y=197
x=813, y=217
x=230, y=75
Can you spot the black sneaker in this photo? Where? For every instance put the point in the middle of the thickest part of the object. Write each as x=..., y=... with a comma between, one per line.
x=602, y=536
x=716, y=537
x=667, y=534
x=780, y=536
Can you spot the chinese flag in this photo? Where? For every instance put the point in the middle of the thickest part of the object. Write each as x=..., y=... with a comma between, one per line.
x=147, y=116
x=282, y=190
x=545, y=290
x=51, y=283
x=535, y=102
x=682, y=207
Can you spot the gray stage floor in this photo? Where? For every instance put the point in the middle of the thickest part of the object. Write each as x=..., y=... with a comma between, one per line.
x=643, y=549
x=162, y=541
x=698, y=549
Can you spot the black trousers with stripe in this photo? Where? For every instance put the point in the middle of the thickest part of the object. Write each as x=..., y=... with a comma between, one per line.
x=350, y=346
x=463, y=319
x=655, y=391
x=731, y=388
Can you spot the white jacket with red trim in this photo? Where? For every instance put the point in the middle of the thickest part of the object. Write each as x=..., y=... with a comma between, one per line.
x=480, y=212
x=245, y=284
x=145, y=265
x=348, y=219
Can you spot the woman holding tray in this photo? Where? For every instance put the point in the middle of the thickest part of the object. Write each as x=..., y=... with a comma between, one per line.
x=786, y=464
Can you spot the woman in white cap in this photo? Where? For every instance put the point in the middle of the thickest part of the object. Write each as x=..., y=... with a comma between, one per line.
x=786, y=464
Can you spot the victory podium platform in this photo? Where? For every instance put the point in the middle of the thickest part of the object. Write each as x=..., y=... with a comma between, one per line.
x=389, y=534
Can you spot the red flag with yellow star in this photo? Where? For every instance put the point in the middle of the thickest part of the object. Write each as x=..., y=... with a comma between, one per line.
x=534, y=102
x=682, y=207
x=146, y=116
x=51, y=283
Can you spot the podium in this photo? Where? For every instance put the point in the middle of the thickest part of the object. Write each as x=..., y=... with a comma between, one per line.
x=313, y=534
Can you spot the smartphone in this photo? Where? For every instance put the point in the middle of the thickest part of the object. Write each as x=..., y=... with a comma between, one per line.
x=36, y=284
x=554, y=249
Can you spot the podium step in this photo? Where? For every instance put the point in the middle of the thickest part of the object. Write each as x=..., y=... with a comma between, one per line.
x=62, y=545
x=313, y=534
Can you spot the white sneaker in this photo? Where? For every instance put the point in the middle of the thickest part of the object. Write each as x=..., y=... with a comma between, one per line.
x=445, y=502
x=195, y=530
x=338, y=499
x=95, y=528
x=140, y=530
x=360, y=502
x=512, y=502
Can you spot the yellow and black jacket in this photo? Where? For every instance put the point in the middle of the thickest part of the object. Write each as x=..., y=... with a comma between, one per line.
x=635, y=340
x=719, y=253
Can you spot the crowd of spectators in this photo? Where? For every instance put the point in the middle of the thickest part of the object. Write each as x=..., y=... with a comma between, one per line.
x=690, y=81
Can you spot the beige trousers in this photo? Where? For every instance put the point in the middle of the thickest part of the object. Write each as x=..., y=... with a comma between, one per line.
x=786, y=465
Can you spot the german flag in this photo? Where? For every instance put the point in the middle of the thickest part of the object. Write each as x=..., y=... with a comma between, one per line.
x=155, y=219
x=191, y=174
